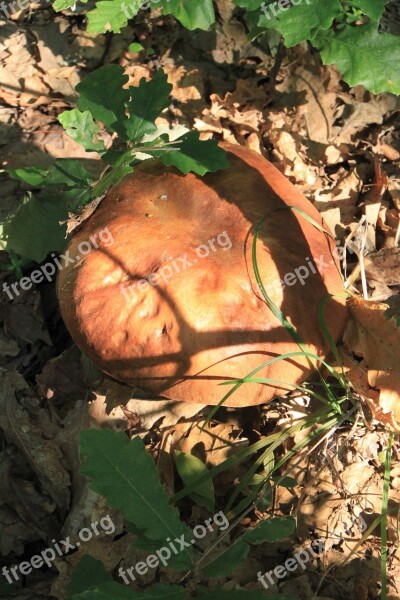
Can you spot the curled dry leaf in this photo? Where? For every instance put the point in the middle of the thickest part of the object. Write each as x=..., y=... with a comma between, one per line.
x=377, y=340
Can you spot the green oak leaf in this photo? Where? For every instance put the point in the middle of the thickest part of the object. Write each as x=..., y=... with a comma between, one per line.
x=194, y=155
x=302, y=21
x=363, y=56
x=76, y=198
x=107, y=16
x=81, y=128
x=270, y=530
x=251, y=4
x=31, y=175
x=36, y=229
x=117, y=591
x=372, y=8
x=103, y=95
x=147, y=101
x=115, y=173
x=227, y=562
x=88, y=573
x=65, y=4
x=69, y=172
x=193, y=14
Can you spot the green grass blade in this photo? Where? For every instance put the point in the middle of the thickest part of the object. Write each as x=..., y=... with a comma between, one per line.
x=385, y=500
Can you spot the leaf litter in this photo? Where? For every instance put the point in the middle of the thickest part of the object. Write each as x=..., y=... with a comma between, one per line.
x=341, y=147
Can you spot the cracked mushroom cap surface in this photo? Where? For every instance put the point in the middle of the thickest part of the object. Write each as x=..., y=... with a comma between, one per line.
x=166, y=297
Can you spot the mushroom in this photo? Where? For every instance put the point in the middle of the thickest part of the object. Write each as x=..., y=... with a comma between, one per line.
x=166, y=299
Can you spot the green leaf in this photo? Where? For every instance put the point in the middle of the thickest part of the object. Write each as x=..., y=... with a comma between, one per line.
x=102, y=93
x=193, y=14
x=81, y=128
x=126, y=476
x=89, y=572
x=221, y=594
x=116, y=591
x=191, y=468
x=69, y=172
x=364, y=57
x=31, y=175
x=147, y=101
x=77, y=198
x=302, y=21
x=135, y=47
x=194, y=155
x=64, y=4
x=107, y=16
x=6, y=589
x=286, y=482
x=115, y=173
x=228, y=561
x=372, y=8
x=270, y=530
x=35, y=229
x=251, y=4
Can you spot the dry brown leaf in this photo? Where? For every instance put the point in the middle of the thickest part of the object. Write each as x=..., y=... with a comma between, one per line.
x=105, y=549
x=338, y=205
x=288, y=152
x=319, y=112
x=238, y=116
x=357, y=116
x=384, y=266
x=377, y=340
x=213, y=444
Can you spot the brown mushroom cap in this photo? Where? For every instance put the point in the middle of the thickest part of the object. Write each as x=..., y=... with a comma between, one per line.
x=202, y=319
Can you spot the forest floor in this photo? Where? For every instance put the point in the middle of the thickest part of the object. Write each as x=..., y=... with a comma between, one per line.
x=341, y=147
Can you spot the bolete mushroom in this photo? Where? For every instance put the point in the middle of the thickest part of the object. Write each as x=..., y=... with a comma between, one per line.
x=168, y=301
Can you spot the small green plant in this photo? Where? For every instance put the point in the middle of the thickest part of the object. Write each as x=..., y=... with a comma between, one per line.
x=128, y=114
x=124, y=473
x=344, y=31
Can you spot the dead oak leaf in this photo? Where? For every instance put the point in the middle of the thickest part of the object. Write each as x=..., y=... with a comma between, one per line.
x=377, y=340
x=213, y=444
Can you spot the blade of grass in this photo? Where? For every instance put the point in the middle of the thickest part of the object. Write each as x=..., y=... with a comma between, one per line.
x=385, y=500
x=241, y=455
x=335, y=421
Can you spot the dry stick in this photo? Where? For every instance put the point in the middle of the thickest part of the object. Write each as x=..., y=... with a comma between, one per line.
x=360, y=269
x=362, y=264
x=397, y=236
